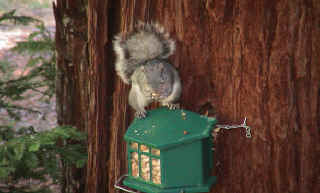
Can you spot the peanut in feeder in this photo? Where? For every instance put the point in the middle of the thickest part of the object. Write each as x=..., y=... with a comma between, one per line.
x=170, y=151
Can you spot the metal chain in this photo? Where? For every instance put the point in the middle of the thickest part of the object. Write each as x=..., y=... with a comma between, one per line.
x=243, y=125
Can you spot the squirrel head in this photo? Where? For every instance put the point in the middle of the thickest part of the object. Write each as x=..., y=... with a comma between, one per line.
x=157, y=80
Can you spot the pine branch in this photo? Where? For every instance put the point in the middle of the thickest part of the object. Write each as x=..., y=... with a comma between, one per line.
x=24, y=20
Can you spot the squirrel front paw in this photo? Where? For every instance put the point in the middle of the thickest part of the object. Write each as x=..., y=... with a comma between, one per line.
x=172, y=106
x=140, y=114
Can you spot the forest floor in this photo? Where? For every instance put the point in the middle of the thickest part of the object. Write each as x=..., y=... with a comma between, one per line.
x=9, y=35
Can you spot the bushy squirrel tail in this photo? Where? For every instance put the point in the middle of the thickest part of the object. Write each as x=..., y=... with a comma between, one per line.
x=147, y=41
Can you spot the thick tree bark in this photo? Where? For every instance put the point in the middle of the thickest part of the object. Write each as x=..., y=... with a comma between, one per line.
x=254, y=59
x=71, y=81
x=100, y=89
x=236, y=58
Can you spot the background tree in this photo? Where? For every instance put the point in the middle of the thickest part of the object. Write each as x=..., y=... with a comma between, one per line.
x=30, y=159
x=236, y=58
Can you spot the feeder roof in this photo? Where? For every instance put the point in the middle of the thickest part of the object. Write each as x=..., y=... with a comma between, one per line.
x=163, y=128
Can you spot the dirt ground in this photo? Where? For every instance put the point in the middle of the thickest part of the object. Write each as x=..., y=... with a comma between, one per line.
x=9, y=35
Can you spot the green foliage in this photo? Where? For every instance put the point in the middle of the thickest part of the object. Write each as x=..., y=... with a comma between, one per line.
x=10, y=16
x=28, y=158
x=40, y=49
x=28, y=154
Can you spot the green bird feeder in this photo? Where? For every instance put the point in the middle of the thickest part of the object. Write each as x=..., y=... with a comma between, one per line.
x=170, y=151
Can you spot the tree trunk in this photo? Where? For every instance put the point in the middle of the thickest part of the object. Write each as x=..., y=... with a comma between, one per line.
x=236, y=58
x=71, y=79
x=100, y=90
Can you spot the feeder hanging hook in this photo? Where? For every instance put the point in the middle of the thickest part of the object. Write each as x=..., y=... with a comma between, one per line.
x=243, y=125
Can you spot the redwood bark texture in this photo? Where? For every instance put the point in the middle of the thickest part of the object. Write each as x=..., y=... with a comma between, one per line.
x=236, y=58
x=71, y=85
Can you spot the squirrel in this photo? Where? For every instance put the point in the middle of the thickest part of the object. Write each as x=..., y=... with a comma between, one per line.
x=141, y=60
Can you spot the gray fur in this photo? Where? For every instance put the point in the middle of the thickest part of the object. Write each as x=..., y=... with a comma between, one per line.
x=141, y=62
